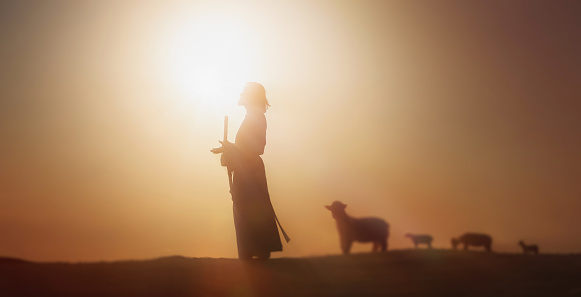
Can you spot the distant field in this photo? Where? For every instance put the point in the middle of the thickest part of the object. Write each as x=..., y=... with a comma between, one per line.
x=395, y=273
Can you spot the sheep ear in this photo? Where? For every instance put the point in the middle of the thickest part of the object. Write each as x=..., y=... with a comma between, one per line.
x=328, y=207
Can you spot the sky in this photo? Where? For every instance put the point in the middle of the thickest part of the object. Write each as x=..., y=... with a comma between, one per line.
x=441, y=117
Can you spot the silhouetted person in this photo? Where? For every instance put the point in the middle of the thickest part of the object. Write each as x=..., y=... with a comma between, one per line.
x=420, y=239
x=254, y=218
x=358, y=229
x=473, y=239
x=526, y=248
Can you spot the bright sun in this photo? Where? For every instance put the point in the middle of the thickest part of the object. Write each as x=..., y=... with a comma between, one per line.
x=208, y=61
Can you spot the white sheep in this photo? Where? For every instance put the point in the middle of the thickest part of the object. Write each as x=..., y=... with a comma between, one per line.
x=473, y=239
x=358, y=229
x=420, y=239
x=526, y=248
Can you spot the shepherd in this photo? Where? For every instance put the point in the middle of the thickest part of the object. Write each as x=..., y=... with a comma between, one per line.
x=254, y=218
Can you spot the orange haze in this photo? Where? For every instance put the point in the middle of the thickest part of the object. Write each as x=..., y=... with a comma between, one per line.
x=440, y=116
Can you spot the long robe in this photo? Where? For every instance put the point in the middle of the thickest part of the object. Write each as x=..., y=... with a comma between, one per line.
x=254, y=218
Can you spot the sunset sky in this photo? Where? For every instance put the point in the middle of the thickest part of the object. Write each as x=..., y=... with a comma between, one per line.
x=441, y=117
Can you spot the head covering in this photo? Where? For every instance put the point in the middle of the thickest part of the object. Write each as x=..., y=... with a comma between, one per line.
x=253, y=94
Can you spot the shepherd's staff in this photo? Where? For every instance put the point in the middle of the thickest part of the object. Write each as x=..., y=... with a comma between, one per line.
x=227, y=167
x=230, y=178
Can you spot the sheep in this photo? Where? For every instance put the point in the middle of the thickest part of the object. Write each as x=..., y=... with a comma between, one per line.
x=358, y=229
x=417, y=239
x=473, y=239
x=532, y=248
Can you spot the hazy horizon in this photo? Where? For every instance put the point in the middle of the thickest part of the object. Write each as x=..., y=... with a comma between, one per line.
x=442, y=117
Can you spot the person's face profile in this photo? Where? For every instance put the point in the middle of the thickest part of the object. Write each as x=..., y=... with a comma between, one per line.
x=243, y=97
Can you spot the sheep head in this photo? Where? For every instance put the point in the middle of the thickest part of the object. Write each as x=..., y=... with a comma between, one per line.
x=337, y=209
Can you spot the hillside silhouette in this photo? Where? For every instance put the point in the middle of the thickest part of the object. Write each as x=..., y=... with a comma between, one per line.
x=394, y=273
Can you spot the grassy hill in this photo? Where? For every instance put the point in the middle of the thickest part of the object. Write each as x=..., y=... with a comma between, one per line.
x=395, y=273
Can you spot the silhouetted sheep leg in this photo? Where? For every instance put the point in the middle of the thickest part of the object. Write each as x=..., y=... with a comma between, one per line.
x=346, y=246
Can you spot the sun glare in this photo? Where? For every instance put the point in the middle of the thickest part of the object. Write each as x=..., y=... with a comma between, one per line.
x=208, y=61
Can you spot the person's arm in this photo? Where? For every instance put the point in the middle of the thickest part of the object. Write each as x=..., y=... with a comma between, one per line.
x=230, y=154
x=226, y=146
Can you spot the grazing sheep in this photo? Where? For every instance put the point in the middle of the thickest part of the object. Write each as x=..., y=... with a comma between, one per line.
x=358, y=229
x=532, y=248
x=417, y=239
x=473, y=239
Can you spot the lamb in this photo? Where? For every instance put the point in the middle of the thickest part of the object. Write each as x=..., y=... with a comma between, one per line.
x=358, y=229
x=533, y=248
x=473, y=239
x=417, y=239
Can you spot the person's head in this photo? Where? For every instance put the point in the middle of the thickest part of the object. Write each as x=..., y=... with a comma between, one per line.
x=254, y=96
